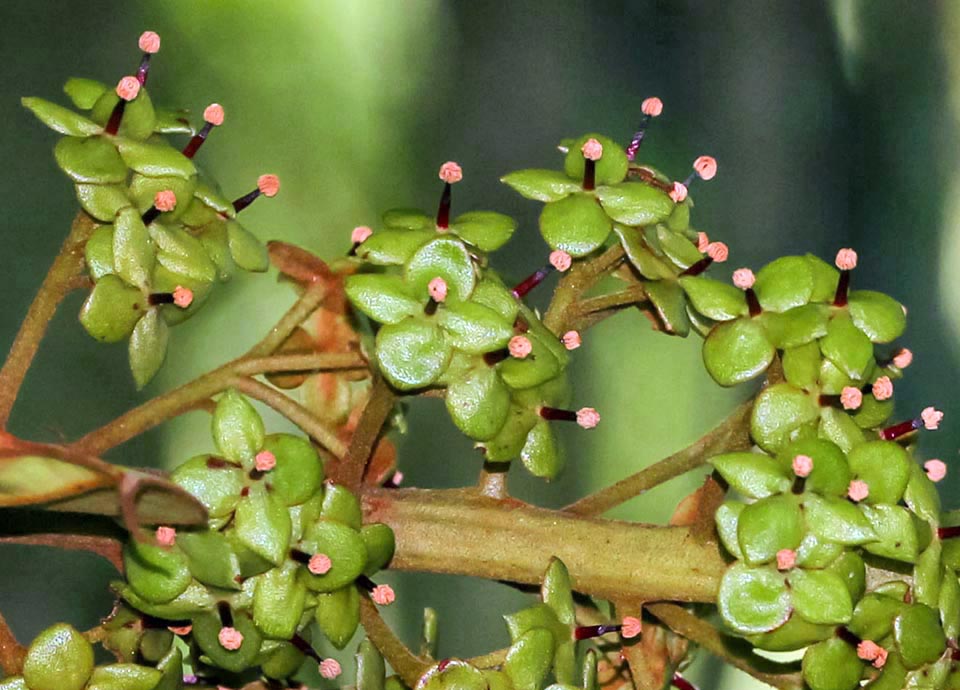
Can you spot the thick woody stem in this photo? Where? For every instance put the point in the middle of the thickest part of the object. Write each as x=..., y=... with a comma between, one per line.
x=60, y=280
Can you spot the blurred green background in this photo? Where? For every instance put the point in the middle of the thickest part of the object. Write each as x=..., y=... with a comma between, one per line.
x=834, y=124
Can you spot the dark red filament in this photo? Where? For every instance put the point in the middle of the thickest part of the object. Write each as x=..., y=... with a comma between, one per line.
x=682, y=683
x=558, y=415
x=637, y=138
x=799, y=483
x=157, y=298
x=256, y=475
x=699, y=267
x=217, y=463
x=245, y=200
x=903, y=428
x=589, y=174
x=531, y=281
x=753, y=303
x=850, y=638
x=843, y=286
x=197, y=141
x=143, y=71
x=305, y=648
x=113, y=124
x=442, y=666
x=585, y=632
x=299, y=556
x=948, y=532
x=494, y=358
x=226, y=615
x=365, y=583
x=443, y=211
x=150, y=215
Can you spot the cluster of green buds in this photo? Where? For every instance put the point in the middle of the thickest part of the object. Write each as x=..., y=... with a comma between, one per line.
x=165, y=236
x=61, y=658
x=283, y=550
x=448, y=321
x=829, y=491
x=543, y=639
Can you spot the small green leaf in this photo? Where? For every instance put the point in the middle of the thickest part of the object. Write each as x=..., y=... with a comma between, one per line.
x=895, y=530
x=112, y=309
x=341, y=505
x=102, y=201
x=540, y=454
x=795, y=634
x=753, y=600
x=949, y=603
x=529, y=659
x=92, y=160
x=737, y=351
x=556, y=592
x=412, y=354
x=474, y=328
x=447, y=258
x=338, y=615
x=124, y=677
x=832, y=665
x=133, y=251
x=210, y=558
x=59, y=658
x=298, y=472
x=927, y=574
x=509, y=441
x=921, y=495
x=60, y=119
x=752, y=474
x=537, y=368
x=206, y=631
x=215, y=483
x=714, y=299
x=678, y=248
x=486, y=230
x=830, y=475
x=98, y=252
x=173, y=122
x=345, y=548
x=872, y=412
x=919, y=636
x=846, y=346
x=490, y=292
x=611, y=168
x=408, y=219
x=884, y=466
x=247, y=251
x=148, y=347
x=541, y=185
x=726, y=519
x=195, y=599
x=454, y=674
x=784, y=284
x=262, y=524
x=156, y=573
x=817, y=553
x=768, y=526
x=381, y=543
x=576, y=224
x=780, y=411
x=278, y=601
x=641, y=256
x=156, y=160
x=837, y=520
x=820, y=596
x=801, y=364
x=670, y=301
x=832, y=379
x=237, y=428
x=874, y=614
x=84, y=92
x=384, y=298
x=393, y=247
x=635, y=203
x=825, y=279
x=797, y=326
x=370, y=667
x=479, y=402
x=881, y=317
x=838, y=427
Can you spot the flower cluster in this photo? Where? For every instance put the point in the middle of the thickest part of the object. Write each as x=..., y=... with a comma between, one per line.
x=164, y=236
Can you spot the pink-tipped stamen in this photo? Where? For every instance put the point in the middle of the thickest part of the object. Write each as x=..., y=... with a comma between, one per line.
x=936, y=469
x=267, y=185
x=319, y=564
x=213, y=117
x=882, y=388
x=358, y=236
x=265, y=461
x=149, y=43
x=651, y=107
x=802, y=465
x=437, y=289
x=585, y=417
x=230, y=638
x=330, y=669
x=704, y=167
x=520, y=347
x=383, y=595
x=181, y=297
x=560, y=260
x=166, y=536
x=571, y=340
x=858, y=490
x=786, y=559
x=716, y=251
x=931, y=418
x=592, y=150
x=163, y=202
x=629, y=628
x=127, y=89
x=851, y=398
x=744, y=279
x=868, y=650
x=846, y=261
x=678, y=192
x=903, y=358
x=450, y=172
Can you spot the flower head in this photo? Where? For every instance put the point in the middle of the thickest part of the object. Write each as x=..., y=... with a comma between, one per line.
x=587, y=417
x=903, y=358
x=706, y=167
x=571, y=340
x=718, y=251
x=631, y=626
x=265, y=461
x=166, y=536
x=931, y=418
x=383, y=595
x=936, y=469
x=330, y=668
x=360, y=234
x=851, y=398
x=802, y=465
x=520, y=346
x=858, y=490
x=786, y=559
x=165, y=200
x=592, y=149
x=128, y=88
x=182, y=296
x=437, y=289
x=846, y=260
x=451, y=173
x=268, y=185
x=149, y=42
x=882, y=388
x=560, y=260
x=744, y=278
x=319, y=564
x=230, y=638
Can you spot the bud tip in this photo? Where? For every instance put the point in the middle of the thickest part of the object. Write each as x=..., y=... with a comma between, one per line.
x=846, y=259
x=520, y=346
x=587, y=417
x=451, y=172
x=268, y=185
x=213, y=114
x=265, y=461
x=652, y=106
x=592, y=149
x=560, y=260
x=744, y=278
x=166, y=536
x=128, y=88
x=149, y=42
x=571, y=340
x=319, y=564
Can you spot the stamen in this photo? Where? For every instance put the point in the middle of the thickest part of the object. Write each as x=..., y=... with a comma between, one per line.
x=438, y=289
x=163, y=202
x=382, y=595
x=802, y=467
x=846, y=261
x=267, y=185
x=450, y=173
x=851, y=398
x=936, y=469
x=903, y=358
x=858, y=490
x=786, y=559
x=559, y=260
x=358, y=236
x=716, y=251
x=871, y=651
x=213, y=117
x=166, y=536
x=571, y=340
x=705, y=167
x=329, y=668
x=585, y=417
x=319, y=564
x=520, y=346
x=181, y=296
x=882, y=388
x=629, y=628
x=127, y=89
x=149, y=43
x=651, y=107
x=265, y=461
x=744, y=279
x=592, y=151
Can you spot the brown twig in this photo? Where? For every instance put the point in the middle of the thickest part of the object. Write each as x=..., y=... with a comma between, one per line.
x=12, y=653
x=732, y=434
x=583, y=276
x=407, y=664
x=364, y=440
x=60, y=280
